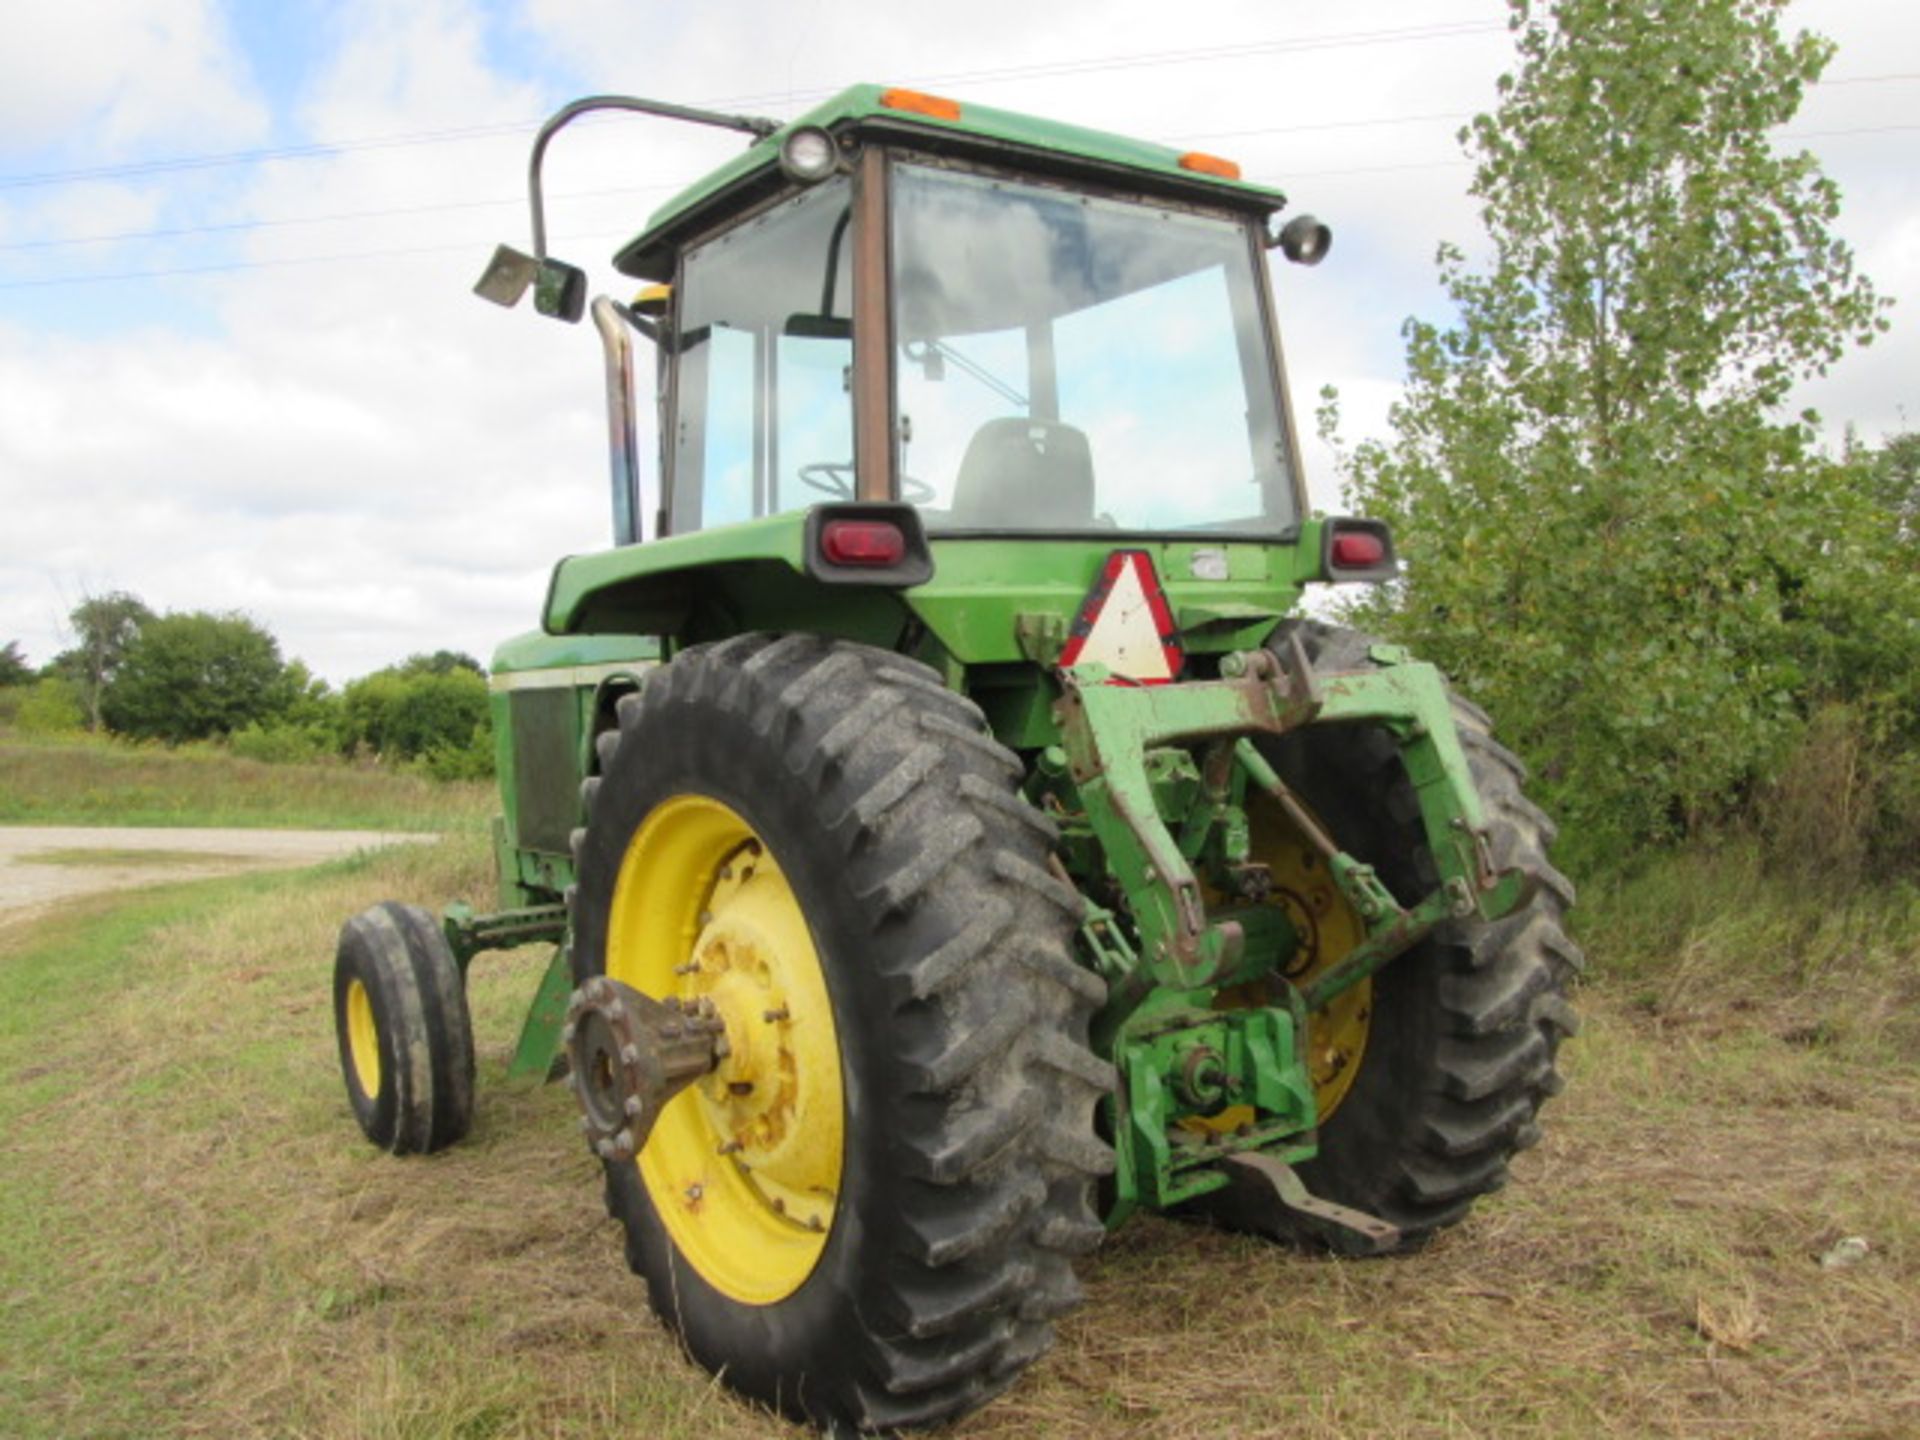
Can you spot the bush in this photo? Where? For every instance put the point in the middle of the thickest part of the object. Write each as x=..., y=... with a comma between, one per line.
x=1845, y=805
x=405, y=715
x=472, y=761
x=48, y=707
x=281, y=744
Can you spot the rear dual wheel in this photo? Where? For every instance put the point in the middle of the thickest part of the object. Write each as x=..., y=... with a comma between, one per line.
x=866, y=1215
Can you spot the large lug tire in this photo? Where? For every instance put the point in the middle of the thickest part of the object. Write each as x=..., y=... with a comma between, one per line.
x=919, y=1268
x=406, y=1042
x=1464, y=1028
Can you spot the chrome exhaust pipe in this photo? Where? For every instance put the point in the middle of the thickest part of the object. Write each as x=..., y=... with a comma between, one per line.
x=623, y=444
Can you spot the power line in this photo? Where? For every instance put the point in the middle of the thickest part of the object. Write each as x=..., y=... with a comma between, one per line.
x=1371, y=122
x=1344, y=171
x=1341, y=172
x=321, y=150
x=220, y=227
x=216, y=269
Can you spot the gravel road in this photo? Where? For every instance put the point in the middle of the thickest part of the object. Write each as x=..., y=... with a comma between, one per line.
x=43, y=864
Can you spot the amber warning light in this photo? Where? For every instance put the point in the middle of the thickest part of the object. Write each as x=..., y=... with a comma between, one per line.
x=920, y=103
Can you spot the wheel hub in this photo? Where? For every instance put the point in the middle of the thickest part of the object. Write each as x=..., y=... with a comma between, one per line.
x=629, y=1055
x=764, y=1099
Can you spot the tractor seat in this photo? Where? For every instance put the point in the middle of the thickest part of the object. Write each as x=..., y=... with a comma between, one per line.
x=1019, y=473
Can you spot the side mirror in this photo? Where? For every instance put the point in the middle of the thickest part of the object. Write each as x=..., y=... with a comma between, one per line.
x=559, y=289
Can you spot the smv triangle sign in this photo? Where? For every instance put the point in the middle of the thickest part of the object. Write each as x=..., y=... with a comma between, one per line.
x=1125, y=624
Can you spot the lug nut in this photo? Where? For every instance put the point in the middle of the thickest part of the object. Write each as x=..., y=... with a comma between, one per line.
x=773, y=1016
x=730, y=1147
x=630, y=1054
x=741, y=1087
x=632, y=1107
x=692, y=967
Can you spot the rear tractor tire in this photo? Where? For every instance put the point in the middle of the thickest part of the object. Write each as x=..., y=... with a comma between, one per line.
x=406, y=1043
x=866, y=1216
x=1457, y=1041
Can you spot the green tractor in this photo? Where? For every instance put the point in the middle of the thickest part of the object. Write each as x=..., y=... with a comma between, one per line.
x=951, y=839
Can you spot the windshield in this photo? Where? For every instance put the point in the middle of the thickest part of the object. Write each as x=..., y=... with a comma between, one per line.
x=1065, y=362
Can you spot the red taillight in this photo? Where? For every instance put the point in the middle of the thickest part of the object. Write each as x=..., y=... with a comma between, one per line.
x=1357, y=550
x=877, y=543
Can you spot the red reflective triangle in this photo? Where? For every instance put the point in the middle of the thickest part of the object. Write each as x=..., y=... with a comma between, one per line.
x=1126, y=625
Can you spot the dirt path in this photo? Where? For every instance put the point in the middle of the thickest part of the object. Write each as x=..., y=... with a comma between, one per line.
x=43, y=864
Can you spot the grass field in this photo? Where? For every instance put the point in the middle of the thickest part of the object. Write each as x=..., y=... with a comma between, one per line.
x=86, y=781
x=195, y=1240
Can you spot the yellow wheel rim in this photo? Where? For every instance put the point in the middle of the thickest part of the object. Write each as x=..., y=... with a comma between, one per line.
x=363, y=1039
x=1329, y=928
x=743, y=1166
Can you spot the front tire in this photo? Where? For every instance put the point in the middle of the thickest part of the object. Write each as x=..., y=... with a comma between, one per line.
x=934, y=1158
x=406, y=1042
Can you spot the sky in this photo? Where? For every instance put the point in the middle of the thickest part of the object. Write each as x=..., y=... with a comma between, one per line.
x=241, y=366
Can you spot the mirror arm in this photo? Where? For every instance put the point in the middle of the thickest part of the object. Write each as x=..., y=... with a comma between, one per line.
x=758, y=126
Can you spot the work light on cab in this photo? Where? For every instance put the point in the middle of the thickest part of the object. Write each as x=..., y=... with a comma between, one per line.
x=809, y=155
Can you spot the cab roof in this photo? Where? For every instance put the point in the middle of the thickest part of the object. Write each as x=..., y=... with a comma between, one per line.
x=1022, y=141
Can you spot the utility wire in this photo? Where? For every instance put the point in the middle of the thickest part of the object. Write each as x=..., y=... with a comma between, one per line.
x=1341, y=173
x=1318, y=127
x=231, y=225
x=321, y=150
x=216, y=269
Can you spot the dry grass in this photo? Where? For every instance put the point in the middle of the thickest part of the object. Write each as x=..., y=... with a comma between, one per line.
x=88, y=781
x=194, y=1240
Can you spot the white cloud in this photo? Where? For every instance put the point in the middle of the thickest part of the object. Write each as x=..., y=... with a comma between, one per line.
x=103, y=76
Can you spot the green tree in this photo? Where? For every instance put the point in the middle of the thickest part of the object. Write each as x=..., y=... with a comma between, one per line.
x=1896, y=480
x=105, y=628
x=442, y=662
x=193, y=675
x=1609, y=527
x=14, y=669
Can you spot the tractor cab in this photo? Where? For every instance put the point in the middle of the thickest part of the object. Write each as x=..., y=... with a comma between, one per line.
x=1013, y=326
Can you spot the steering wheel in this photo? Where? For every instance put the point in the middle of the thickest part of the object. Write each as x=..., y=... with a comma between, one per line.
x=829, y=477
x=835, y=478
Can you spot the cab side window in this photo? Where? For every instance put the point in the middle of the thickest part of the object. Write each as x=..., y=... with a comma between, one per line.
x=763, y=415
